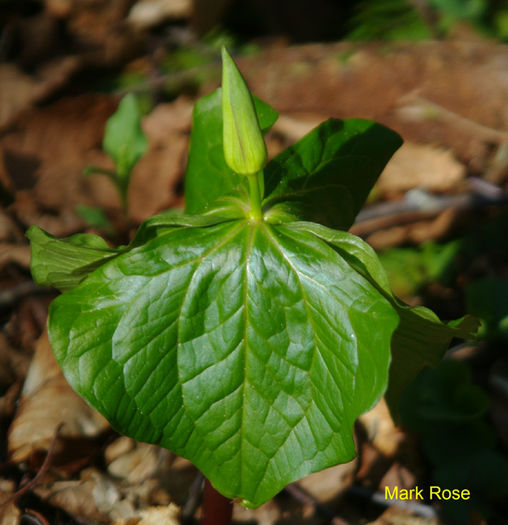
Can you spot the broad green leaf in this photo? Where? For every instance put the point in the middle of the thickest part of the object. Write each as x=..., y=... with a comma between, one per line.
x=420, y=339
x=124, y=140
x=329, y=173
x=207, y=176
x=64, y=263
x=248, y=348
x=224, y=210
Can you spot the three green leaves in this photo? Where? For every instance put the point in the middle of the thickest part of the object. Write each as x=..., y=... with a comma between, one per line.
x=247, y=346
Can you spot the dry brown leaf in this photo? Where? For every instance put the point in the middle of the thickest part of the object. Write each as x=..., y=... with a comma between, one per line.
x=47, y=401
x=295, y=126
x=10, y=515
x=59, y=8
x=13, y=368
x=16, y=92
x=14, y=253
x=9, y=230
x=91, y=497
x=157, y=174
x=158, y=515
x=268, y=514
x=46, y=154
x=99, y=497
x=330, y=483
x=381, y=431
x=416, y=232
x=134, y=462
x=44, y=158
x=167, y=119
x=421, y=166
x=398, y=476
x=148, y=13
x=100, y=33
x=13, y=364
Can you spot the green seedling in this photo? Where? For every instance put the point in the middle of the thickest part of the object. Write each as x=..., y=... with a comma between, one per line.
x=125, y=142
x=245, y=334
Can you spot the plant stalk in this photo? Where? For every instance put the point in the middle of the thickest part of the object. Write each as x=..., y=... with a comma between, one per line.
x=216, y=509
x=255, y=196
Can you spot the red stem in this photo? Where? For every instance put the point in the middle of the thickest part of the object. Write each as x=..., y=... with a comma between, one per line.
x=216, y=509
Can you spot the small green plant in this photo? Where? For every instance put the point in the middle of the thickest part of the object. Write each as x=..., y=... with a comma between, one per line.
x=125, y=142
x=448, y=412
x=245, y=334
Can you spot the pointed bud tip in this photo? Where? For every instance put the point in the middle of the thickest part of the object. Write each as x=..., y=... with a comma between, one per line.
x=244, y=147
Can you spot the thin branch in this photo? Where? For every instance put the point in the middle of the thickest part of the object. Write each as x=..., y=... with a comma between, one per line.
x=42, y=471
x=11, y=296
x=193, y=498
x=425, y=107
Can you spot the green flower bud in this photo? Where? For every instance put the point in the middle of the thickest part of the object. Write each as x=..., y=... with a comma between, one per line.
x=244, y=147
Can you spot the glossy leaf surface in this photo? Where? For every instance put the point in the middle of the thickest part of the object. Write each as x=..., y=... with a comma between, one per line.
x=328, y=174
x=64, y=263
x=420, y=339
x=207, y=176
x=248, y=348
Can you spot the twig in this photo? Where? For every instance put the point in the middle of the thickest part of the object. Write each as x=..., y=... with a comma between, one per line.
x=193, y=498
x=413, y=101
x=161, y=81
x=42, y=471
x=304, y=497
x=419, y=205
x=11, y=296
x=34, y=517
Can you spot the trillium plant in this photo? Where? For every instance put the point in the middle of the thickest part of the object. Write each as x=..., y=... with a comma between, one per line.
x=249, y=332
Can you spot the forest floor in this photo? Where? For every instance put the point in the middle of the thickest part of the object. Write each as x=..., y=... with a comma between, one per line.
x=60, y=462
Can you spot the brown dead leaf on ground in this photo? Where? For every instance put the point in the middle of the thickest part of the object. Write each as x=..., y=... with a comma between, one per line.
x=13, y=368
x=10, y=515
x=167, y=515
x=135, y=462
x=47, y=401
x=421, y=166
x=9, y=230
x=155, y=178
x=329, y=484
x=415, y=232
x=100, y=32
x=268, y=514
x=14, y=253
x=93, y=497
x=148, y=13
x=97, y=496
x=343, y=80
x=44, y=156
x=381, y=431
x=20, y=91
